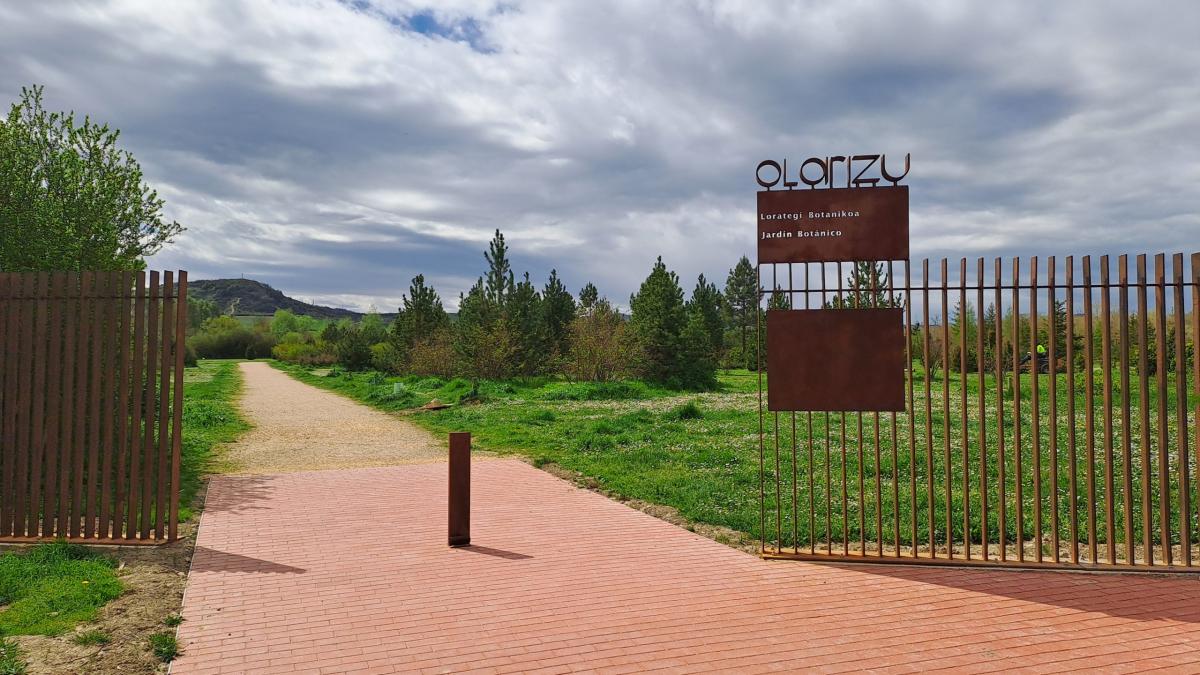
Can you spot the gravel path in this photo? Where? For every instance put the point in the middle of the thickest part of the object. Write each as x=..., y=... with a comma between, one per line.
x=298, y=427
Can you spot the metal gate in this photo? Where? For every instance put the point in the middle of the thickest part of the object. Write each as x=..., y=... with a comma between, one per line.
x=91, y=404
x=1050, y=420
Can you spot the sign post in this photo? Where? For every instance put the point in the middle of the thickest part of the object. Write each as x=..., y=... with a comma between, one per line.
x=844, y=357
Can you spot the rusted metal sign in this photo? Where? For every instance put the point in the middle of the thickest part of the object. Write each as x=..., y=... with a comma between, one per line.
x=837, y=224
x=835, y=360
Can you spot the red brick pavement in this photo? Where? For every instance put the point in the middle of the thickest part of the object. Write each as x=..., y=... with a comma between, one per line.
x=348, y=571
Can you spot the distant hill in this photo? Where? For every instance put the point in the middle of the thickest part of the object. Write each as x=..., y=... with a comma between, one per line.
x=256, y=298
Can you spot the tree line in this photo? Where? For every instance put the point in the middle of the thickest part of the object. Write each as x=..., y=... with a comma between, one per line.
x=507, y=326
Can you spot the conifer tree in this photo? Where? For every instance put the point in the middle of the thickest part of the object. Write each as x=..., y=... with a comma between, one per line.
x=657, y=322
x=741, y=295
x=420, y=316
x=499, y=279
x=867, y=285
x=708, y=303
x=588, y=297
x=558, y=310
x=523, y=317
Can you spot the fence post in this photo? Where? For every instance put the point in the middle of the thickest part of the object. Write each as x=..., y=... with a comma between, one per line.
x=460, y=489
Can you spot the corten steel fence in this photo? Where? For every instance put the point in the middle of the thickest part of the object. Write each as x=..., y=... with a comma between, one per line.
x=1081, y=457
x=91, y=404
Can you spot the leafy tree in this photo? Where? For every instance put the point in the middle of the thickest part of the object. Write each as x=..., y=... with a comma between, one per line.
x=420, y=315
x=372, y=328
x=708, y=304
x=558, y=310
x=433, y=355
x=70, y=199
x=588, y=297
x=599, y=348
x=741, y=295
x=284, y=322
x=199, y=311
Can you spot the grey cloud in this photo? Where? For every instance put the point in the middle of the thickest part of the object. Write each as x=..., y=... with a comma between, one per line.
x=334, y=150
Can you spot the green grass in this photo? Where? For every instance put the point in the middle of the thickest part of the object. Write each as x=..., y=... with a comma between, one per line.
x=164, y=646
x=51, y=587
x=11, y=662
x=699, y=452
x=210, y=418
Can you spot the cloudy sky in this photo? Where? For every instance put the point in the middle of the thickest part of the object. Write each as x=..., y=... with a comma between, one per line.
x=335, y=149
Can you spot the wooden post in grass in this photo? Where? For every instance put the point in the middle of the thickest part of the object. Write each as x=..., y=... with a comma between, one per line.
x=460, y=489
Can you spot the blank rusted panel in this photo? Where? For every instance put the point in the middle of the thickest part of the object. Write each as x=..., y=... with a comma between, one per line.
x=835, y=360
x=839, y=224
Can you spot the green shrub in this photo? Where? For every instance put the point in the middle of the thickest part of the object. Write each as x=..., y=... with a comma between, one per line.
x=224, y=337
x=686, y=411
x=352, y=349
x=385, y=357
x=164, y=646
x=304, y=353
x=189, y=356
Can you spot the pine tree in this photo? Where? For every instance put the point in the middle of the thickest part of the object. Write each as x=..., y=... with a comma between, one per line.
x=741, y=295
x=420, y=315
x=779, y=299
x=708, y=303
x=657, y=323
x=588, y=297
x=964, y=327
x=558, y=310
x=867, y=285
x=523, y=317
x=483, y=343
x=989, y=337
x=499, y=279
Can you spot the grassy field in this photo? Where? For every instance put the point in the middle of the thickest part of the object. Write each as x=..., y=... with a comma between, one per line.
x=699, y=452
x=210, y=418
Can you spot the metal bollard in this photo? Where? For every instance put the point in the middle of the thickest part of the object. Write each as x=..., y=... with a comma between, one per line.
x=460, y=489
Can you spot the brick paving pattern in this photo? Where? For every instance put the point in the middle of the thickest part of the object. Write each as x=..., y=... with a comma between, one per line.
x=348, y=571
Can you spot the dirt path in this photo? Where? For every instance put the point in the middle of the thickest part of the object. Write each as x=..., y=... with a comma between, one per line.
x=298, y=427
